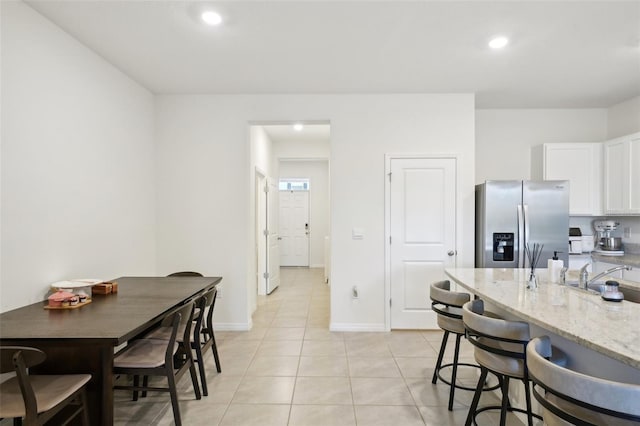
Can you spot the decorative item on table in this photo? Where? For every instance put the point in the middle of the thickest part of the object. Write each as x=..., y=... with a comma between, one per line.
x=62, y=299
x=533, y=253
x=106, y=287
x=78, y=285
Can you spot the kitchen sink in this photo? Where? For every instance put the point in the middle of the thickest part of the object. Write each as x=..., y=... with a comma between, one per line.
x=630, y=294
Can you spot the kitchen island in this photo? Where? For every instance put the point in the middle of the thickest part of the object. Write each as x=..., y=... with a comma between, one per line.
x=601, y=338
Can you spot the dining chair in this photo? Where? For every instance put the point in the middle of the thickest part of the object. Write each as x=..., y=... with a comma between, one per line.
x=196, y=314
x=37, y=399
x=150, y=356
x=570, y=397
x=203, y=337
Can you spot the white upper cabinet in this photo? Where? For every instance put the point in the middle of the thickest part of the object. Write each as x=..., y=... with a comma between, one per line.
x=622, y=175
x=581, y=165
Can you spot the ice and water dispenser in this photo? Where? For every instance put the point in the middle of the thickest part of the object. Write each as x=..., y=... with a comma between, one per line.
x=503, y=246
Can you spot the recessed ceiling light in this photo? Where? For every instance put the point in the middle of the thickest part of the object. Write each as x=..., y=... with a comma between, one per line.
x=298, y=127
x=498, y=42
x=211, y=18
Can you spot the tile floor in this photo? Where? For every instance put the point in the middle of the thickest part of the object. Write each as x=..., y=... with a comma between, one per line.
x=291, y=370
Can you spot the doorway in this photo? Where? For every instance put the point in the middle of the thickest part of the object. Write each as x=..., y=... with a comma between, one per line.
x=421, y=195
x=280, y=151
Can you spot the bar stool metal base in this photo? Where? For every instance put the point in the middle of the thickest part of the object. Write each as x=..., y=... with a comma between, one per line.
x=506, y=405
x=499, y=407
x=459, y=386
x=455, y=364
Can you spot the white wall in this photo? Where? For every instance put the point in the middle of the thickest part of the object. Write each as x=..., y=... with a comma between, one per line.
x=204, y=178
x=623, y=118
x=296, y=150
x=78, y=193
x=318, y=173
x=504, y=137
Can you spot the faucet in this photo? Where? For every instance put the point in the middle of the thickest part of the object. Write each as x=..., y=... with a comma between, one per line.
x=584, y=275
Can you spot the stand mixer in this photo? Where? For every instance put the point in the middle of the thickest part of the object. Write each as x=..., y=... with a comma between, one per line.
x=604, y=242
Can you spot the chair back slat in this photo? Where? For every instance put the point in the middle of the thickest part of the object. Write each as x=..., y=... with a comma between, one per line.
x=31, y=356
x=19, y=358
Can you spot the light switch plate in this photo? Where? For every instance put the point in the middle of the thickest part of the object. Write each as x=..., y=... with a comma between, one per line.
x=357, y=233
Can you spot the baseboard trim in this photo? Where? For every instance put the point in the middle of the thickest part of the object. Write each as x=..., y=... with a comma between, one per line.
x=348, y=326
x=232, y=326
x=319, y=265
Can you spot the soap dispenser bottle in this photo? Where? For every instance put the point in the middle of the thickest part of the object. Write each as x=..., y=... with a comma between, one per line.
x=554, y=268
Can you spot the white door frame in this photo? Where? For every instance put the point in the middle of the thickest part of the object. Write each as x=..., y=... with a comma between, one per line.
x=387, y=220
x=260, y=240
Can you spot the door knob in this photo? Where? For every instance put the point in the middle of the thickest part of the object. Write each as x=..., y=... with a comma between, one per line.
x=452, y=252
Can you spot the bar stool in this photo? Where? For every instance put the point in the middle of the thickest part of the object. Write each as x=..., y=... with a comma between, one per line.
x=569, y=397
x=447, y=305
x=500, y=348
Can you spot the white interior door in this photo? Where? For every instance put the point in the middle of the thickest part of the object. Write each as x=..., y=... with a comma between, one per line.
x=294, y=228
x=272, y=275
x=422, y=229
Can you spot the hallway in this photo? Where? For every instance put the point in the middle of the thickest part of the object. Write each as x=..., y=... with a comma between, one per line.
x=290, y=370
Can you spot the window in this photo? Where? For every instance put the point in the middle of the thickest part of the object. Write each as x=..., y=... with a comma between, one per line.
x=294, y=184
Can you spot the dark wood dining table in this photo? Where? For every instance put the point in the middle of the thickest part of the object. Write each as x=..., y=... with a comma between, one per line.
x=83, y=340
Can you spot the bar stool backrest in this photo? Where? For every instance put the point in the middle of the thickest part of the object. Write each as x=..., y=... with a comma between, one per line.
x=447, y=305
x=499, y=344
x=575, y=398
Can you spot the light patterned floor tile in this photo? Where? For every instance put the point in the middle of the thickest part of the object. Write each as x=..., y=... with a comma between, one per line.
x=322, y=390
x=279, y=348
x=388, y=416
x=322, y=415
x=256, y=415
x=264, y=390
x=380, y=391
x=284, y=333
x=323, y=366
x=273, y=366
x=323, y=348
x=373, y=367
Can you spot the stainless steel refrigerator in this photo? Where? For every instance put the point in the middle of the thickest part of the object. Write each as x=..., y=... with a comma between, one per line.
x=510, y=214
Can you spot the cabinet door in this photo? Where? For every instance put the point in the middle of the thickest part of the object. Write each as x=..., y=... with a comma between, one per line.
x=634, y=175
x=615, y=177
x=580, y=164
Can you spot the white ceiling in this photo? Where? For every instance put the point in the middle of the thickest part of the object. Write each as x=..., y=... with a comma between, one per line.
x=574, y=54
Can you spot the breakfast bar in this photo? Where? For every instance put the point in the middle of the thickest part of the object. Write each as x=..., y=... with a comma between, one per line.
x=83, y=340
x=602, y=338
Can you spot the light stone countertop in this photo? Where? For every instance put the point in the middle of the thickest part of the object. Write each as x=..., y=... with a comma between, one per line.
x=610, y=328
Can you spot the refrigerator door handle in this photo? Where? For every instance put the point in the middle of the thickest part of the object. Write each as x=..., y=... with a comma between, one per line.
x=526, y=223
x=521, y=236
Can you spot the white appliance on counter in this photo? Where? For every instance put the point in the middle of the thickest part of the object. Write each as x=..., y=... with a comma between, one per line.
x=603, y=230
x=575, y=241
